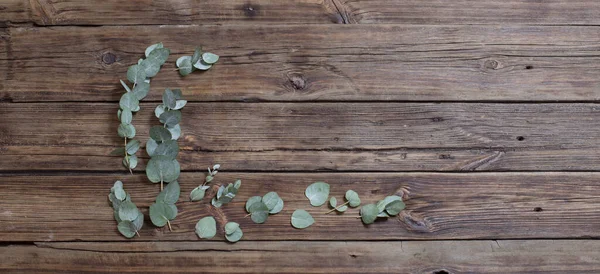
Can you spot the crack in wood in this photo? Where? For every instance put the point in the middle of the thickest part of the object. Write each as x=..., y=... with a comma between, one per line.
x=341, y=11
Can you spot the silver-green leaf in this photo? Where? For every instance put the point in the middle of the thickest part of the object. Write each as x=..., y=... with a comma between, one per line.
x=160, y=134
x=352, y=198
x=129, y=101
x=170, y=118
x=206, y=227
x=270, y=200
x=141, y=90
x=136, y=74
x=126, y=131
x=169, y=99
x=161, y=213
x=231, y=227
x=184, y=63
x=128, y=211
x=302, y=219
x=161, y=168
x=198, y=193
x=317, y=193
x=127, y=229
x=132, y=147
x=368, y=213
x=150, y=48
x=170, y=194
x=235, y=236
x=210, y=58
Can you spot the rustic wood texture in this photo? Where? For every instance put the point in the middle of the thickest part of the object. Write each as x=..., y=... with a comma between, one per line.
x=116, y=12
x=439, y=206
x=316, y=136
x=547, y=256
x=323, y=62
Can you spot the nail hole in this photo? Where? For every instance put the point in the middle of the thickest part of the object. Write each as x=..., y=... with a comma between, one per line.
x=520, y=138
x=529, y=67
x=537, y=209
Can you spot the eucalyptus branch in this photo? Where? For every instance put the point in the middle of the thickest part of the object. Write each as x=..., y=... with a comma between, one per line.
x=127, y=215
x=198, y=193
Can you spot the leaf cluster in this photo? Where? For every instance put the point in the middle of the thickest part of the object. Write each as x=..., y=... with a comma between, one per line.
x=225, y=194
x=318, y=194
x=198, y=61
x=164, y=209
x=198, y=193
x=352, y=200
x=388, y=207
x=129, y=218
x=139, y=75
x=259, y=207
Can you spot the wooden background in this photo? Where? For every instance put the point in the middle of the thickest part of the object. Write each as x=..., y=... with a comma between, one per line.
x=483, y=113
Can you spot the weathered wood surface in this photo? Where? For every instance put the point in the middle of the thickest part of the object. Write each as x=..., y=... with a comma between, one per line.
x=118, y=12
x=321, y=62
x=316, y=136
x=439, y=206
x=547, y=256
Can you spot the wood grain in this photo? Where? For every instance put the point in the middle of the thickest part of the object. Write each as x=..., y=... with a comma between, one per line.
x=439, y=206
x=320, y=63
x=317, y=136
x=564, y=256
x=119, y=12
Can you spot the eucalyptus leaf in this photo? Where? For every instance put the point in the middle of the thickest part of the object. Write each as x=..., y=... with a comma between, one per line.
x=136, y=74
x=160, y=109
x=141, y=90
x=126, y=131
x=125, y=86
x=117, y=185
x=270, y=200
x=139, y=221
x=128, y=211
x=209, y=178
x=231, y=227
x=381, y=205
x=179, y=104
x=220, y=191
x=160, y=134
x=129, y=101
x=136, y=109
x=252, y=200
x=317, y=193
x=170, y=118
x=352, y=198
x=157, y=58
x=170, y=194
x=202, y=66
x=237, y=183
x=259, y=212
x=178, y=93
x=342, y=208
x=120, y=194
x=395, y=207
x=169, y=99
x=161, y=213
x=132, y=147
x=184, y=63
x=168, y=148
x=127, y=229
x=150, y=68
x=161, y=168
x=175, y=132
x=126, y=116
x=235, y=236
x=210, y=58
x=197, y=193
x=151, y=146
x=216, y=202
x=152, y=47
x=197, y=55
x=368, y=213
x=278, y=207
x=206, y=228
x=333, y=202
x=302, y=219
x=130, y=161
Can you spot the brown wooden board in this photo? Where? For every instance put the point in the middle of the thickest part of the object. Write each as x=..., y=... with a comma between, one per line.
x=439, y=206
x=317, y=63
x=119, y=12
x=564, y=256
x=316, y=136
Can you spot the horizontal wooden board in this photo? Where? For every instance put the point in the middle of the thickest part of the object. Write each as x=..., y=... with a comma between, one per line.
x=316, y=136
x=541, y=256
x=119, y=12
x=439, y=206
x=317, y=63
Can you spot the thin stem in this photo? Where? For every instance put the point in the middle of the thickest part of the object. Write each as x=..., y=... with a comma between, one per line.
x=138, y=234
x=127, y=157
x=247, y=215
x=337, y=207
x=161, y=184
x=169, y=224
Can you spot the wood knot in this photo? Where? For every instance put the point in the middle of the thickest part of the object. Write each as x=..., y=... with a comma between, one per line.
x=414, y=224
x=108, y=58
x=491, y=64
x=298, y=82
x=250, y=10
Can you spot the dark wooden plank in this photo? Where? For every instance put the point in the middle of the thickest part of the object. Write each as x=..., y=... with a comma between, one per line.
x=317, y=136
x=439, y=206
x=321, y=62
x=119, y=12
x=541, y=256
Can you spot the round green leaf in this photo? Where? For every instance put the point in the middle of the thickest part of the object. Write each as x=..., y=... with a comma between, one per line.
x=368, y=213
x=237, y=183
x=210, y=58
x=259, y=212
x=302, y=219
x=151, y=146
x=129, y=101
x=139, y=221
x=215, y=202
x=168, y=148
x=132, y=147
x=202, y=66
x=251, y=201
x=270, y=200
x=128, y=211
x=136, y=74
x=317, y=193
x=156, y=59
x=141, y=90
x=381, y=205
x=197, y=193
x=184, y=63
x=127, y=229
x=152, y=47
x=278, y=207
x=160, y=134
x=169, y=99
x=160, y=109
x=170, y=118
x=117, y=185
x=175, y=132
x=333, y=202
x=130, y=161
x=161, y=168
x=383, y=214
x=120, y=194
x=395, y=207
x=179, y=104
x=341, y=208
x=126, y=130
x=352, y=198
x=235, y=236
x=197, y=55
x=170, y=194
x=231, y=227
x=126, y=116
x=206, y=228
x=160, y=213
